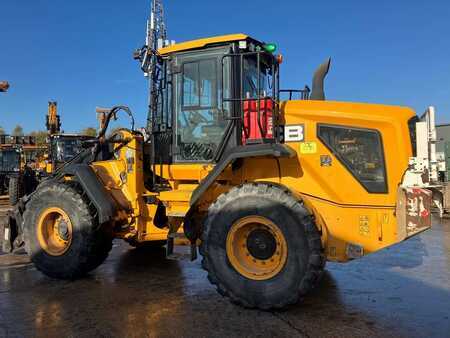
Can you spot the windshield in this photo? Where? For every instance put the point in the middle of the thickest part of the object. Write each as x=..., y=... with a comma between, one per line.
x=66, y=149
x=9, y=160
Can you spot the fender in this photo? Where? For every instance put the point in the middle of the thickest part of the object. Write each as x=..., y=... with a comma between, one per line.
x=191, y=226
x=99, y=196
x=256, y=150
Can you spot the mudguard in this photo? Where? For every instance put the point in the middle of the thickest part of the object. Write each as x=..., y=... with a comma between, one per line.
x=98, y=195
x=256, y=150
x=192, y=226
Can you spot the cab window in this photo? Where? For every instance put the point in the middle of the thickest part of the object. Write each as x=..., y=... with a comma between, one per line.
x=9, y=160
x=199, y=84
x=66, y=149
x=252, y=76
x=360, y=151
x=200, y=122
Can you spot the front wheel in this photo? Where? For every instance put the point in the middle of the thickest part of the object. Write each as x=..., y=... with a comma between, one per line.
x=62, y=234
x=261, y=247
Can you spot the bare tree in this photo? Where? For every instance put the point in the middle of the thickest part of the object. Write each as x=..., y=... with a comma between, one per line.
x=40, y=136
x=17, y=131
x=89, y=131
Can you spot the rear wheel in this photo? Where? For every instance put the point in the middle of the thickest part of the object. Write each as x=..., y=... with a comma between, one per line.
x=261, y=247
x=62, y=234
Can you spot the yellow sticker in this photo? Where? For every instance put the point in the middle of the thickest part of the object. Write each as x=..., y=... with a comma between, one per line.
x=308, y=148
x=364, y=226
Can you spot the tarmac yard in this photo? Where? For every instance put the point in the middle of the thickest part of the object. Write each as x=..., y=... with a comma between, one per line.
x=403, y=291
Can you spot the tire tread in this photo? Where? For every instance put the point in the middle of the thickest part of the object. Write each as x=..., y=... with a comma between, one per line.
x=96, y=244
x=316, y=260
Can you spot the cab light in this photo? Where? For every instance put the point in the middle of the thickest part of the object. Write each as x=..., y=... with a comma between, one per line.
x=270, y=47
x=280, y=59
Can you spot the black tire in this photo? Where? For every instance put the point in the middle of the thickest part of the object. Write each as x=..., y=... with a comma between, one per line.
x=30, y=181
x=15, y=189
x=305, y=259
x=90, y=243
x=3, y=187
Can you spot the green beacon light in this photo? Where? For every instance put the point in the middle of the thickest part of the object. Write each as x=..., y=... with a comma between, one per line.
x=270, y=47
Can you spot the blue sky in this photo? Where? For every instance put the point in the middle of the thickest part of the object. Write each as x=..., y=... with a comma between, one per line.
x=79, y=53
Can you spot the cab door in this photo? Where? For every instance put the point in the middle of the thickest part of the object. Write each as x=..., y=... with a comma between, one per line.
x=200, y=116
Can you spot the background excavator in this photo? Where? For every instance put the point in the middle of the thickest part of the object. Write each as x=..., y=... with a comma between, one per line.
x=61, y=147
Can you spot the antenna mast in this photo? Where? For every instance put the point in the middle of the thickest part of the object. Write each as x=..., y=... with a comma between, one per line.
x=148, y=54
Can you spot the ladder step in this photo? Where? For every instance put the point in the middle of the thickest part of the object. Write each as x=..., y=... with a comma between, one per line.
x=178, y=256
x=177, y=235
x=170, y=249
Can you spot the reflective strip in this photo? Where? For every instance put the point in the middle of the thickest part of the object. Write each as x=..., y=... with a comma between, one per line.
x=7, y=234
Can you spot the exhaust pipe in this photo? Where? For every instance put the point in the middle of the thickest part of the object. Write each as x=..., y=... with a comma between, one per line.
x=317, y=92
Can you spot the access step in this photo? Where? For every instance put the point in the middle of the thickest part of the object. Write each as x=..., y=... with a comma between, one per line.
x=173, y=254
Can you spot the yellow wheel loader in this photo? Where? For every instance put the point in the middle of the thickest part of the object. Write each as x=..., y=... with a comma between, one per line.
x=268, y=189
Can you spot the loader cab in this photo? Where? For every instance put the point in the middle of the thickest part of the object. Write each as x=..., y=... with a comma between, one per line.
x=10, y=153
x=10, y=160
x=207, y=90
x=63, y=147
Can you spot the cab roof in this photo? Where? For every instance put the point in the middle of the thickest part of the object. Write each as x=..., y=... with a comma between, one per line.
x=200, y=43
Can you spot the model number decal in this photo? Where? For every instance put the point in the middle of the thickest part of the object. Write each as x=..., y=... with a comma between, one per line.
x=308, y=148
x=294, y=133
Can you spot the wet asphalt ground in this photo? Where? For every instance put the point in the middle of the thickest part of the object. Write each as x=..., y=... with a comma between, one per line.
x=403, y=291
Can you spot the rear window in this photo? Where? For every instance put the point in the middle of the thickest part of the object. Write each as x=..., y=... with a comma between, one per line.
x=360, y=151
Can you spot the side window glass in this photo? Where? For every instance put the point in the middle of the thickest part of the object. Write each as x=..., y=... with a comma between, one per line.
x=200, y=125
x=360, y=151
x=190, y=85
x=200, y=84
x=208, y=75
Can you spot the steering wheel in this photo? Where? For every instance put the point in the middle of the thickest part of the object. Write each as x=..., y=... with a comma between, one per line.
x=195, y=118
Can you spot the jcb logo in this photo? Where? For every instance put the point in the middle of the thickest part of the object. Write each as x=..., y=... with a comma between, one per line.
x=294, y=133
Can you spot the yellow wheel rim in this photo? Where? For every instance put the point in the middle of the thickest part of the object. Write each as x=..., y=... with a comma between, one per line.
x=54, y=231
x=256, y=248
